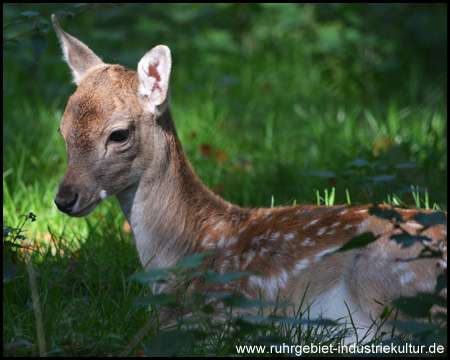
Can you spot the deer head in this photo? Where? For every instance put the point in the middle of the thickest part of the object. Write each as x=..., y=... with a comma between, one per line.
x=109, y=122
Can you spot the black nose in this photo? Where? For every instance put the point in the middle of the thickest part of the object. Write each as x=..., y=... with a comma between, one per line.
x=65, y=200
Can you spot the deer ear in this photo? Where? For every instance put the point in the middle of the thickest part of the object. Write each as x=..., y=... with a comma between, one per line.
x=154, y=74
x=77, y=55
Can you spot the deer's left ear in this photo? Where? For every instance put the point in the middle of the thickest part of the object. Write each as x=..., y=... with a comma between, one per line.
x=154, y=75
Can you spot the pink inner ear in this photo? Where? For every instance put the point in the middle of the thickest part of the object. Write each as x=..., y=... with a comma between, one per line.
x=153, y=71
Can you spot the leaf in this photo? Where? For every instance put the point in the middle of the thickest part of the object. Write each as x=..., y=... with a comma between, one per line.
x=29, y=13
x=212, y=277
x=324, y=174
x=358, y=164
x=7, y=230
x=384, y=313
x=380, y=179
x=38, y=43
x=149, y=277
x=10, y=244
x=195, y=260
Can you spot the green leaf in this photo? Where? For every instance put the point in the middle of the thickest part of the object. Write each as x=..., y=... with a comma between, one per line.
x=359, y=164
x=195, y=260
x=8, y=230
x=380, y=179
x=29, y=13
x=149, y=277
x=212, y=277
x=323, y=174
x=384, y=313
x=11, y=244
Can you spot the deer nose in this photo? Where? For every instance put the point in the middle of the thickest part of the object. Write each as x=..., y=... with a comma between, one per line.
x=65, y=200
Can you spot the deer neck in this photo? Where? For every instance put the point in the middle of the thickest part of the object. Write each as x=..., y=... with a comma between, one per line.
x=172, y=214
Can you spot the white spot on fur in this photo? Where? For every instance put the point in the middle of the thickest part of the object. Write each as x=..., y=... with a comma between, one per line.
x=257, y=281
x=302, y=264
x=256, y=239
x=406, y=278
x=275, y=236
x=290, y=236
x=223, y=267
x=269, y=286
x=283, y=278
x=322, y=254
x=221, y=242
x=206, y=243
x=103, y=194
x=400, y=267
x=413, y=225
x=248, y=258
x=242, y=229
x=310, y=223
x=232, y=241
x=308, y=242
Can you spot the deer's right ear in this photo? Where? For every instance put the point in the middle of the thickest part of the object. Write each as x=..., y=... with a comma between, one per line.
x=154, y=75
x=77, y=55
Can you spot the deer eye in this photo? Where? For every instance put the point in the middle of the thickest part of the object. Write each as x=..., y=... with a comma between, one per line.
x=118, y=136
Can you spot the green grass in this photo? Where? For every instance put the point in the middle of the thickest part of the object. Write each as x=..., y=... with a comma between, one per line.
x=265, y=121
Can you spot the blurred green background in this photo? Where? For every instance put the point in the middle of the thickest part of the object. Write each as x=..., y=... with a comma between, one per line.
x=269, y=99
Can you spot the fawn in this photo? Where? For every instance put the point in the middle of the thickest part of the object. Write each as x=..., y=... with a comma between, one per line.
x=121, y=141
